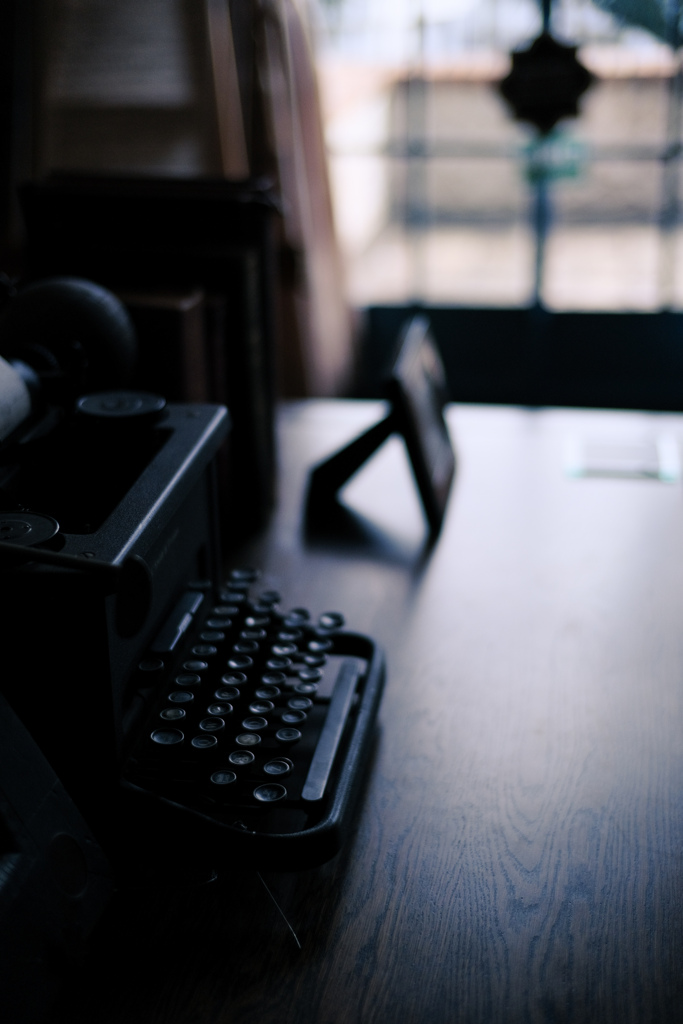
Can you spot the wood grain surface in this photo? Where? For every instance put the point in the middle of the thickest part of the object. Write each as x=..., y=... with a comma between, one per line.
x=518, y=855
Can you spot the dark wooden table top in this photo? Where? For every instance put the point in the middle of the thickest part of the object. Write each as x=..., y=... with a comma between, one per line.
x=518, y=854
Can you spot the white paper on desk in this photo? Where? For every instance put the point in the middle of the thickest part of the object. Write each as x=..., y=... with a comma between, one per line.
x=653, y=458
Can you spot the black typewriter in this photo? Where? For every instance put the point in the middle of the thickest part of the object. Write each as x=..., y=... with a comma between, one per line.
x=180, y=711
x=258, y=722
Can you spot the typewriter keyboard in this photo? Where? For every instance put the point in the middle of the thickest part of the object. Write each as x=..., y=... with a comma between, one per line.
x=250, y=708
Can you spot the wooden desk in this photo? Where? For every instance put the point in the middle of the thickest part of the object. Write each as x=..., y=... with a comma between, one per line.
x=519, y=849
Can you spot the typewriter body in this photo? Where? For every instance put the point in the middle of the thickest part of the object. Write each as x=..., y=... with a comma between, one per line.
x=182, y=708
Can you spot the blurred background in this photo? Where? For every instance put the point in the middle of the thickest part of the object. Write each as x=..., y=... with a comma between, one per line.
x=433, y=180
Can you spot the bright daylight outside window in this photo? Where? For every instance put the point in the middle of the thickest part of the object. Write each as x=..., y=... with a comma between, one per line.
x=436, y=186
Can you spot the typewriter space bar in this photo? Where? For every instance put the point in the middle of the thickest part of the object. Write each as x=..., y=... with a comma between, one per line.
x=330, y=737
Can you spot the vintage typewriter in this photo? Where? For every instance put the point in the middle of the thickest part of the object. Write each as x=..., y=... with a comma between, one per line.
x=184, y=709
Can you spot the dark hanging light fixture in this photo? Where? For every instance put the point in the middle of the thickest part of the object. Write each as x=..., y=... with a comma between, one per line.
x=546, y=81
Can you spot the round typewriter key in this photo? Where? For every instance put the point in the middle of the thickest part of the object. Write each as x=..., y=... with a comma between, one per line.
x=220, y=709
x=248, y=739
x=288, y=735
x=244, y=574
x=278, y=664
x=257, y=621
x=219, y=623
x=253, y=634
x=180, y=697
x=278, y=766
x=245, y=647
x=300, y=703
x=269, y=793
x=310, y=675
x=233, y=597
x=283, y=650
x=290, y=717
x=261, y=707
x=241, y=756
x=290, y=635
x=223, y=778
x=234, y=678
x=270, y=597
x=187, y=679
x=204, y=650
x=320, y=646
x=195, y=666
x=225, y=610
x=240, y=661
x=151, y=665
x=212, y=724
x=255, y=723
x=274, y=679
x=203, y=742
x=306, y=687
x=227, y=693
x=172, y=714
x=330, y=620
x=315, y=660
x=211, y=636
x=297, y=617
x=266, y=692
x=257, y=608
x=167, y=737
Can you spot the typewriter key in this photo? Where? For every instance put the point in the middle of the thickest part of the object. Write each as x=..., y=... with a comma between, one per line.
x=320, y=646
x=269, y=793
x=290, y=717
x=195, y=666
x=266, y=692
x=241, y=757
x=212, y=636
x=240, y=661
x=300, y=703
x=279, y=766
x=223, y=778
x=151, y=665
x=255, y=723
x=180, y=697
x=204, y=650
x=245, y=647
x=257, y=621
x=212, y=724
x=283, y=650
x=330, y=620
x=220, y=709
x=290, y=635
x=274, y=679
x=248, y=739
x=227, y=693
x=172, y=714
x=243, y=574
x=261, y=707
x=297, y=617
x=234, y=678
x=167, y=737
x=188, y=679
x=204, y=742
x=253, y=634
x=310, y=675
x=288, y=735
